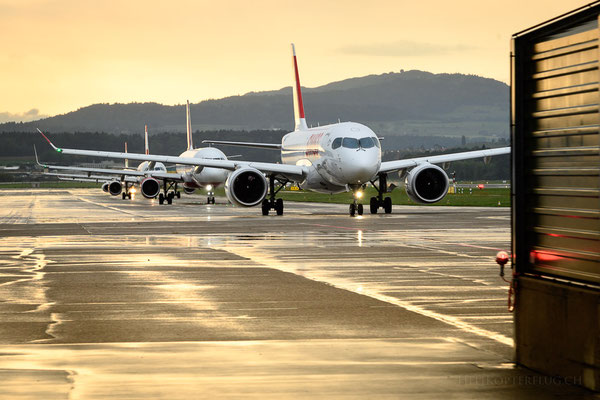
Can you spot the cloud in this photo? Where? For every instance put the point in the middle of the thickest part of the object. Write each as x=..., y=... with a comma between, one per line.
x=404, y=48
x=31, y=115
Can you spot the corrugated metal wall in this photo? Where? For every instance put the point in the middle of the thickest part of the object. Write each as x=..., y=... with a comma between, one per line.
x=556, y=160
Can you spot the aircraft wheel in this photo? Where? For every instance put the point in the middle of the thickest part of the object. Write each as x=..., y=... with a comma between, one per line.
x=265, y=207
x=161, y=198
x=352, y=210
x=374, y=205
x=279, y=206
x=359, y=209
x=129, y=196
x=387, y=205
x=178, y=194
x=170, y=200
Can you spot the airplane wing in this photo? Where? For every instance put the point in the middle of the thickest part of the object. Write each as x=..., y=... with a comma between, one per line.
x=271, y=146
x=391, y=166
x=167, y=176
x=109, y=171
x=293, y=172
x=87, y=178
x=172, y=176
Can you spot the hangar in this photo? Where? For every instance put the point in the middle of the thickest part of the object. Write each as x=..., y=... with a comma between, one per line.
x=556, y=196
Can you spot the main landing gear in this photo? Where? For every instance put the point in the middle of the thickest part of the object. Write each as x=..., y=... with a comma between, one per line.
x=379, y=201
x=271, y=203
x=126, y=194
x=355, y=206
x=169, y=193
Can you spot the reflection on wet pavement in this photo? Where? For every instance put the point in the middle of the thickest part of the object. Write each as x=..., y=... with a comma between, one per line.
x=109, y=298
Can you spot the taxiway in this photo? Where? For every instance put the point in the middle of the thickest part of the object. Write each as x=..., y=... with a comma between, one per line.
x=110, y=298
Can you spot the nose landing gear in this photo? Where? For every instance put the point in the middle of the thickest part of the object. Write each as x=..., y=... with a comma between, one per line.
x=355, y=206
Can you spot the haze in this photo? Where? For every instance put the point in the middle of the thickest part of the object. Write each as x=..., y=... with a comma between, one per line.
x=59, y=55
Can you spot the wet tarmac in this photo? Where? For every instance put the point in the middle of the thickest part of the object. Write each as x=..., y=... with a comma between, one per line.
x=108, y=298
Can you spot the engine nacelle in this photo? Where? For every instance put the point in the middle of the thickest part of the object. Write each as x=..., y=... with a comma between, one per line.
x=115, y=188
x=105, y=187
x=150, y=188
x=246, y=187
x=426, y=183
x=188, y=190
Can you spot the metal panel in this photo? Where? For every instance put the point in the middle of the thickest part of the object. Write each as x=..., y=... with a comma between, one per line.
x=556, y=149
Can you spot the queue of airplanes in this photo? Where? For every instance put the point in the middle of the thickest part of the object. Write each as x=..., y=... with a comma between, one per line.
x=335, y=158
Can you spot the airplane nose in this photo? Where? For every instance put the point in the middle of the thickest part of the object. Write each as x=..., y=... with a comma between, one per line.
x=361, y=168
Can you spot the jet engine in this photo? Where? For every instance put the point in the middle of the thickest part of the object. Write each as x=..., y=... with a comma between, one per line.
x=426, y=183
x=246, y=187
x=150, y=188
x=188, y=190
x=114, y=188
x=105, y=187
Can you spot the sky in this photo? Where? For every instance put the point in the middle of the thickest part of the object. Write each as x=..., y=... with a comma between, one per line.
x=60, y=55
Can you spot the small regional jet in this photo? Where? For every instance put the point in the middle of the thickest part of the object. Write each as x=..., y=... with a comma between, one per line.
x=150, y=174
x=329, y=159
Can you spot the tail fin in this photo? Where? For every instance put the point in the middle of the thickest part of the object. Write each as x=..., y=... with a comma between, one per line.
x=190, y=142
x=298, y=105
x=126, y=160
x=146, y=144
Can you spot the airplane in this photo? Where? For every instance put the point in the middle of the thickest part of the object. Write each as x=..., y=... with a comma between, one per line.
x=198, y=176
x=151, y=173
x=121, y=181
x=330, y=159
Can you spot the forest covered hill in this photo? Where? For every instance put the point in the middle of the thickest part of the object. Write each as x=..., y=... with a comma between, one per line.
x=407, y=103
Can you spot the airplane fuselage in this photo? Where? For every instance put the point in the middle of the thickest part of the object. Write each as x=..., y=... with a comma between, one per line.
x=148, y=166
x=199, y=177
x=338, y=156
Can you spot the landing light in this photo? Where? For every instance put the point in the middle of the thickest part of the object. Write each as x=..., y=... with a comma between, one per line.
x=133, y=190
x=358, y=194
x=209, y=187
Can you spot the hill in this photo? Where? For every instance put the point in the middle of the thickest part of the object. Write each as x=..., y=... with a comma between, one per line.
x=405, y=103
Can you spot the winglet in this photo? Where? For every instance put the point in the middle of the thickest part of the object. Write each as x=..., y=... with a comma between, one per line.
x=37, y=160
x=146, y=145
x=190, y=142
x=297, y=93
x=48, y=140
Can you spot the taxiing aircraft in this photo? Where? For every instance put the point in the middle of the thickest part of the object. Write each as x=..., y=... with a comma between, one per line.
x=150, y=173
x=329, y=159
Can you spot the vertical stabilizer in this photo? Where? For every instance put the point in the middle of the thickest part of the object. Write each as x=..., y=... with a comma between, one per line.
x=146, y=144
x=298, y=104
x=190, y=142
x=126, y=160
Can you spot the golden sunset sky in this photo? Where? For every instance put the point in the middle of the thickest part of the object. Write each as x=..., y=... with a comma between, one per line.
x=60, y=55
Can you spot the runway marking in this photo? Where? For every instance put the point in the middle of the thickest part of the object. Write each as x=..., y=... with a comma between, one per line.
x=109, y=207
x=261, y=258
x=422, y=238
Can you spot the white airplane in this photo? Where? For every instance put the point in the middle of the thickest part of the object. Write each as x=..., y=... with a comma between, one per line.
x=151, y=173
x=121, y=181
x=196, y=176
x=329, y=159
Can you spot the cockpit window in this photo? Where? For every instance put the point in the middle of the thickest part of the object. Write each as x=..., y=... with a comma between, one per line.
x=366, y=142
x=376, y=141
x=336, y=143
x=350, y=143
